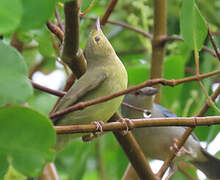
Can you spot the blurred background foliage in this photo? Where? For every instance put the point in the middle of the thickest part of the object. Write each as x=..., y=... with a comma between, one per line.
x=103, y=157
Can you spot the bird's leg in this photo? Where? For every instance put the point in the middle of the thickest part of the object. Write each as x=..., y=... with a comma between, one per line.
x=98, y=124
x=181, y=151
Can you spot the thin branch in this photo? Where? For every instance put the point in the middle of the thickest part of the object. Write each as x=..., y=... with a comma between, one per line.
x=135, y=108
x=162, y=81
x=87, y=10
x=59, y=20
x=56, y=30
x=186, y=134
x=213, y=43
x=108, y=12
x=127, y=124
x=71, y=54
x=48, y=90
x=134, y=153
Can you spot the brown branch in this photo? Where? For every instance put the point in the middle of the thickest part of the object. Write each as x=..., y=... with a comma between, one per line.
x=59, y=20
x=139, y=123
x=16, y=43
x=136, y=108
x=82, y=105
x=158, y=48
x=134, y=153
x=130, y=173
x=56, y=30
x=71, y=54
x=87, y=10
x=213, y=43
x=108, y=12
x=186, y=134
x=48, y=90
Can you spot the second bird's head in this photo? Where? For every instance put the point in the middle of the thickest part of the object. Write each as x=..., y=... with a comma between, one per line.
x=97, y=44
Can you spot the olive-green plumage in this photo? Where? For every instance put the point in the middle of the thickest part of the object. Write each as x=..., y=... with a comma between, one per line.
x=105, y=75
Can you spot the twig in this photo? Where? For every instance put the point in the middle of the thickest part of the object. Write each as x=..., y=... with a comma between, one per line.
x=147, y=83
x=45, y=89
x=108, y=12
x=213, y=43
x=87, y=10
x=134, y=153
x=135, y=107
x=139, y=123
x=184, y=137
x=59, y=20
x=56, y=30
x=16, y=43
x=71, y=54
x=82, y=105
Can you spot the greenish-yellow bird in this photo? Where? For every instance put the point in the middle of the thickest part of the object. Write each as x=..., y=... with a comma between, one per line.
x=157, y=141
x=105, y=75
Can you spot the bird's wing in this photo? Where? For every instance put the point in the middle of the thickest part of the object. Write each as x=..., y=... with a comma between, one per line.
x=81, y=88
x=165, y=111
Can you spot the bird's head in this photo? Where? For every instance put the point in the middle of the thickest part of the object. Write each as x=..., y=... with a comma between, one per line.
x=97, y=44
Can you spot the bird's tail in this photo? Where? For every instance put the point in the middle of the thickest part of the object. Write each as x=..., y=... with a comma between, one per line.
x=210, y=168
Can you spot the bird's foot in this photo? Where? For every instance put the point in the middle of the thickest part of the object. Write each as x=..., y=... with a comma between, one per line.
x=128, y=123
x=181, y=151
x=98, y=124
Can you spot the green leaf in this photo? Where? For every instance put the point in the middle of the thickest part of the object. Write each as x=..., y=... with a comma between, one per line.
x=15, y=86
x=10, y=15
x=43, y=37
x=42, y=102
x=171, y=94
x=137, y=73
x=85, y=4
x=3, y=165
x=26, y=138
x=192, y=25
x=36, y=13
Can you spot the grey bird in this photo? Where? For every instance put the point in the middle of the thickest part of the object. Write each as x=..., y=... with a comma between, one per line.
x=157, y=141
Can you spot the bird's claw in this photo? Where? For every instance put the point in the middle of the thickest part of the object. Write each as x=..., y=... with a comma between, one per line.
x=128, y=124
x=98, y=124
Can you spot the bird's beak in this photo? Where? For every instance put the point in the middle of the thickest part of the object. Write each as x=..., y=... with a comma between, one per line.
x=97, y=24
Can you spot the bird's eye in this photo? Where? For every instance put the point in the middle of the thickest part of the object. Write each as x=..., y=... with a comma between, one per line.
x=97, y=38
x=137, y=93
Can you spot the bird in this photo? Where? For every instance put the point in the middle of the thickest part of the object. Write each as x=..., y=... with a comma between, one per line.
x=156, y=142
x=105, y=75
